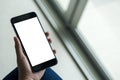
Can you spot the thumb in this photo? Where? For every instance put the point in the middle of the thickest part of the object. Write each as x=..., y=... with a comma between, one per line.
x=22, y=62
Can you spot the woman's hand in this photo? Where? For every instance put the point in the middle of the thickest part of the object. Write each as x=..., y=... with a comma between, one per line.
x=24, y=69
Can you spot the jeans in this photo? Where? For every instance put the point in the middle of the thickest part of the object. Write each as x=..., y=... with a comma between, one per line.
x=48, y=75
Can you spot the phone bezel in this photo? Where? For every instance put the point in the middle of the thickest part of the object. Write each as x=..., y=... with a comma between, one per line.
x=39, y=66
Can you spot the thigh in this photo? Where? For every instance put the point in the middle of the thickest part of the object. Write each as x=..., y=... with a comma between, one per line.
x=49, y=75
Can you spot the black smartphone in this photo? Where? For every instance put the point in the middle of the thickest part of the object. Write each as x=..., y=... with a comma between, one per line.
x=33, y=40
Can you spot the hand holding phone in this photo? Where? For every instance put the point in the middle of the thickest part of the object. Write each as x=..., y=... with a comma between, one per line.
x=33, y=41
x=24, y=69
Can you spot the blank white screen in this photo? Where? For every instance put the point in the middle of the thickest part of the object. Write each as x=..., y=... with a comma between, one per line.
x=34, y=41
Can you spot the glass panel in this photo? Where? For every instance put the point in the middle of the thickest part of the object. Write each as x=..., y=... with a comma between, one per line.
x=64, y=8
x=64, y=4
x=100, y=26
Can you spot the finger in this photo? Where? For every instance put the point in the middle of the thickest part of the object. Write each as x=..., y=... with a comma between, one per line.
x=23, y=64
x=49, y=40
x=54, y=51
x=47, y=34
x=18, y=47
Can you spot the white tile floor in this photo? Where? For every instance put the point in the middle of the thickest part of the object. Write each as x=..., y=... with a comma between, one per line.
x=66, y=67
